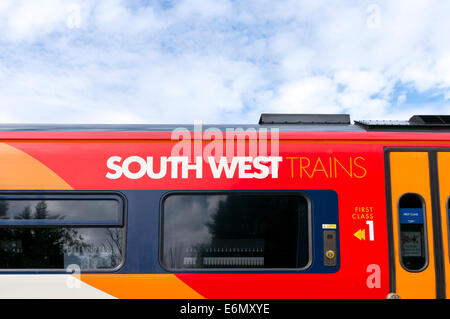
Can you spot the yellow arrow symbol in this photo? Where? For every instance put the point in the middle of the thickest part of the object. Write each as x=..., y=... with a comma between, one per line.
x=360, y=234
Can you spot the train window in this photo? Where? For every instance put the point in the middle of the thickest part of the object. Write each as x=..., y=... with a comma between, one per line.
x=235, y=230
x=59, y=247
x=413, y=246
x=59, y=210
x=54, y=232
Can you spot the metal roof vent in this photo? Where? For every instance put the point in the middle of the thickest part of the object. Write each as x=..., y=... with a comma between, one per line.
x=430, y=120
x=317, y=119
x=416, y=123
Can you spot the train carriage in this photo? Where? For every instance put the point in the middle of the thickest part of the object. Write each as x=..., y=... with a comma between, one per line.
x=297, y=206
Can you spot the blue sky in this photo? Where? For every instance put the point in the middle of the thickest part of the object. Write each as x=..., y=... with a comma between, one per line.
x=221, y=61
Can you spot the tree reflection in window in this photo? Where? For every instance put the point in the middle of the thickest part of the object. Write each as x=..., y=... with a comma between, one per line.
x=235, y=231
x=56, y=247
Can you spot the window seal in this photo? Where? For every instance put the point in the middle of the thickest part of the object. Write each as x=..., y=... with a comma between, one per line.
x=235, y=270
x=425, y=226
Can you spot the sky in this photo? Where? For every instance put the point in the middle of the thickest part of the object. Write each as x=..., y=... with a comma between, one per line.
x=221, y=61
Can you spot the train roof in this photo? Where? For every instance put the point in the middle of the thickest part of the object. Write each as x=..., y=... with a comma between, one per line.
x=284, y=122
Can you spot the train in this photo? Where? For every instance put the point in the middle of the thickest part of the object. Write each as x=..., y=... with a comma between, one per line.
x=298, y=206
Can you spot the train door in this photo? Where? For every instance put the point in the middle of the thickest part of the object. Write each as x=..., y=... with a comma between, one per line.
x=443, y=162
x=416, y=252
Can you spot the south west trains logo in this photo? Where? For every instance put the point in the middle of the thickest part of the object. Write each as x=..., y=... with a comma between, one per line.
x=179, y=167
x=218, y=152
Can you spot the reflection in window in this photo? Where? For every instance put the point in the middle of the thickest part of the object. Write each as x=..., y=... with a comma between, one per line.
x=57, y=248
x=39, y=246
x=412, y=232
x=63, y=209
x=235, y=231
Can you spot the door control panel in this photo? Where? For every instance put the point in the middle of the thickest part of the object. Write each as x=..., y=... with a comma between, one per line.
x=329, y=248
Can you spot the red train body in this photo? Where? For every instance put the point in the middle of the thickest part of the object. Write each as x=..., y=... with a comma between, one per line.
x=353, y=177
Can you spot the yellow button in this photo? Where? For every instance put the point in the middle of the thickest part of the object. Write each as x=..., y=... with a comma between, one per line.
x=330, y=254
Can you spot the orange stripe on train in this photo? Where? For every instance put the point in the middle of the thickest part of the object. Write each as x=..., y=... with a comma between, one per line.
x=21, y=171
x=135, y=286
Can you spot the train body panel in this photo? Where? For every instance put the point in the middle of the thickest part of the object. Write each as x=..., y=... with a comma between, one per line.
x=351, y=184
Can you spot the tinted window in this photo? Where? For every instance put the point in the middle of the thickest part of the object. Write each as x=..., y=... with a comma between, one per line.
x=412, y=232
x=52, y=233
x=235, y=231
x=57, y=248
x=62, y=209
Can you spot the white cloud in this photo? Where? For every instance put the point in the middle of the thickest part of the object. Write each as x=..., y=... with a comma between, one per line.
x=28, y=20
x=305, y=95
x=193, y=9
x=401, y=98
x=219, y=61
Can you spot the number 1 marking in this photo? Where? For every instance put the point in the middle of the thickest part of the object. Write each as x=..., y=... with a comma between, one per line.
x=371, y=235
